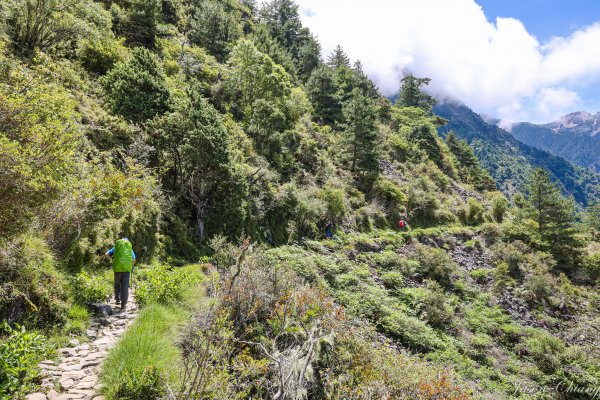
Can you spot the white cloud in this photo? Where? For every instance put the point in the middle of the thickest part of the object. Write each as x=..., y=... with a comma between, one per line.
x=494, y=67
x=550, y=100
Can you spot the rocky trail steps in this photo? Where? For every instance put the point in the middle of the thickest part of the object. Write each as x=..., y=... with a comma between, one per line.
x=75, y=375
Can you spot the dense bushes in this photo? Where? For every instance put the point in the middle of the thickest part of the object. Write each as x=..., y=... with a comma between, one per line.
x=163, y=284
x=32, y=289
x=19, y=353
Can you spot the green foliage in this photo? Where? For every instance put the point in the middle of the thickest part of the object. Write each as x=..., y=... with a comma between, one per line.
x=194, y=150
x=19, y=353
x=469, y=168
x=436, y=264
x=99, y=56
x=555, y=216
x=89, y=288
x=338, y=58
x=499, y=207
x=164, y=285
x=140, y=22
x=322, y=91
x=362, y=136
x=215, y=28
x=472, y=212
x=136, y=88
x=411, y=94
x=147, y=385
x=32, y=290
x=146, y=358
x=38, y=143
x=78, y=320
x=481, y=275
x=591, y=266
x=546, y=350
x=335, y=202
x=53, y=25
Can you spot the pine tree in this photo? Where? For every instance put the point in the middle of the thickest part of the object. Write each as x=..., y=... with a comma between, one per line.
x=554, y=215
x=338, y=58
x=136, y=89
x=322, y=91
x=359, y=114
x=411, y=94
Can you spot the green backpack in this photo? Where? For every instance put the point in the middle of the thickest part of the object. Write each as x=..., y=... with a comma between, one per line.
x=122, y=258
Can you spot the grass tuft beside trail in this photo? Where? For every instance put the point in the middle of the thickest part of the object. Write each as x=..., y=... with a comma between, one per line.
x=145, y=354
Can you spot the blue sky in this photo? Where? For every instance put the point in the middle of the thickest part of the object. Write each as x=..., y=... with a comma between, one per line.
x=546, y=18
x=527, y=60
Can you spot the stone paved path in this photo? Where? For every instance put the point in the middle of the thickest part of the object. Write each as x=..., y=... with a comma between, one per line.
x=75, y=375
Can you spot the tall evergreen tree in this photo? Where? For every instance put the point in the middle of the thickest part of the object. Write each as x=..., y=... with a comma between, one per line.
x=554, y=215
x=411, y=94
x=141, y=25
x=283, y=19
x=338, y=58
x=322, y=91
x=136, y=89
x=309, y=55
x=215, y=28
x=359, y=114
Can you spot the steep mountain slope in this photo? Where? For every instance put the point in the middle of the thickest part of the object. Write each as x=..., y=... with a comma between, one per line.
x=511, y=161
x=574, y=137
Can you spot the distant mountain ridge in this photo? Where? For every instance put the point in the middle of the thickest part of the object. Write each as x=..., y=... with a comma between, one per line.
x=575, y=136
x=511, y=161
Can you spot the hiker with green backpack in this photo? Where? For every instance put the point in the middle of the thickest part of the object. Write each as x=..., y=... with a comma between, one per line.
x=123, y=260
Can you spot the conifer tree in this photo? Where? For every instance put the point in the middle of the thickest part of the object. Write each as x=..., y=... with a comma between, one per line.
x=338, y=58
x=359, y=114
x=411, y=94
x=554, y=215
x=322, y=91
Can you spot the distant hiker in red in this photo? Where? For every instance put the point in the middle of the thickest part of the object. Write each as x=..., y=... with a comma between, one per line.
x=402, y=224
x=123, y=260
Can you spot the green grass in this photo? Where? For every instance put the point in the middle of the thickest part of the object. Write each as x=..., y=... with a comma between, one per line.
x=148, y=344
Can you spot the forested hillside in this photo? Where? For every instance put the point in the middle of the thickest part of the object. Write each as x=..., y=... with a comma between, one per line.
x=262, y=186
x=574, y=137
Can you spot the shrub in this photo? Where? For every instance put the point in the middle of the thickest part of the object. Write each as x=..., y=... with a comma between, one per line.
x=164, y=285
x=481, y=275
x=499, y=207
x=538, y=287
x=591, y=267
x=89, y=288
x=392, y=280
x=392, y=197
x=491, y=232
x=546, y=350
x=18, y=356
x=31, y=287
x=411, y=331
x=335, y=203
x=513, y=255
x=147, y=385
x=436, y=264
x=78, y=320
x=99, y=56
x=502, y=277
x=434, y=307
x=472, y=212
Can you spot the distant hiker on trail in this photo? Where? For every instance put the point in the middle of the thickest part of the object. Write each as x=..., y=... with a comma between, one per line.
x=123, y=260
x=402, y=224
x=328, y=230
